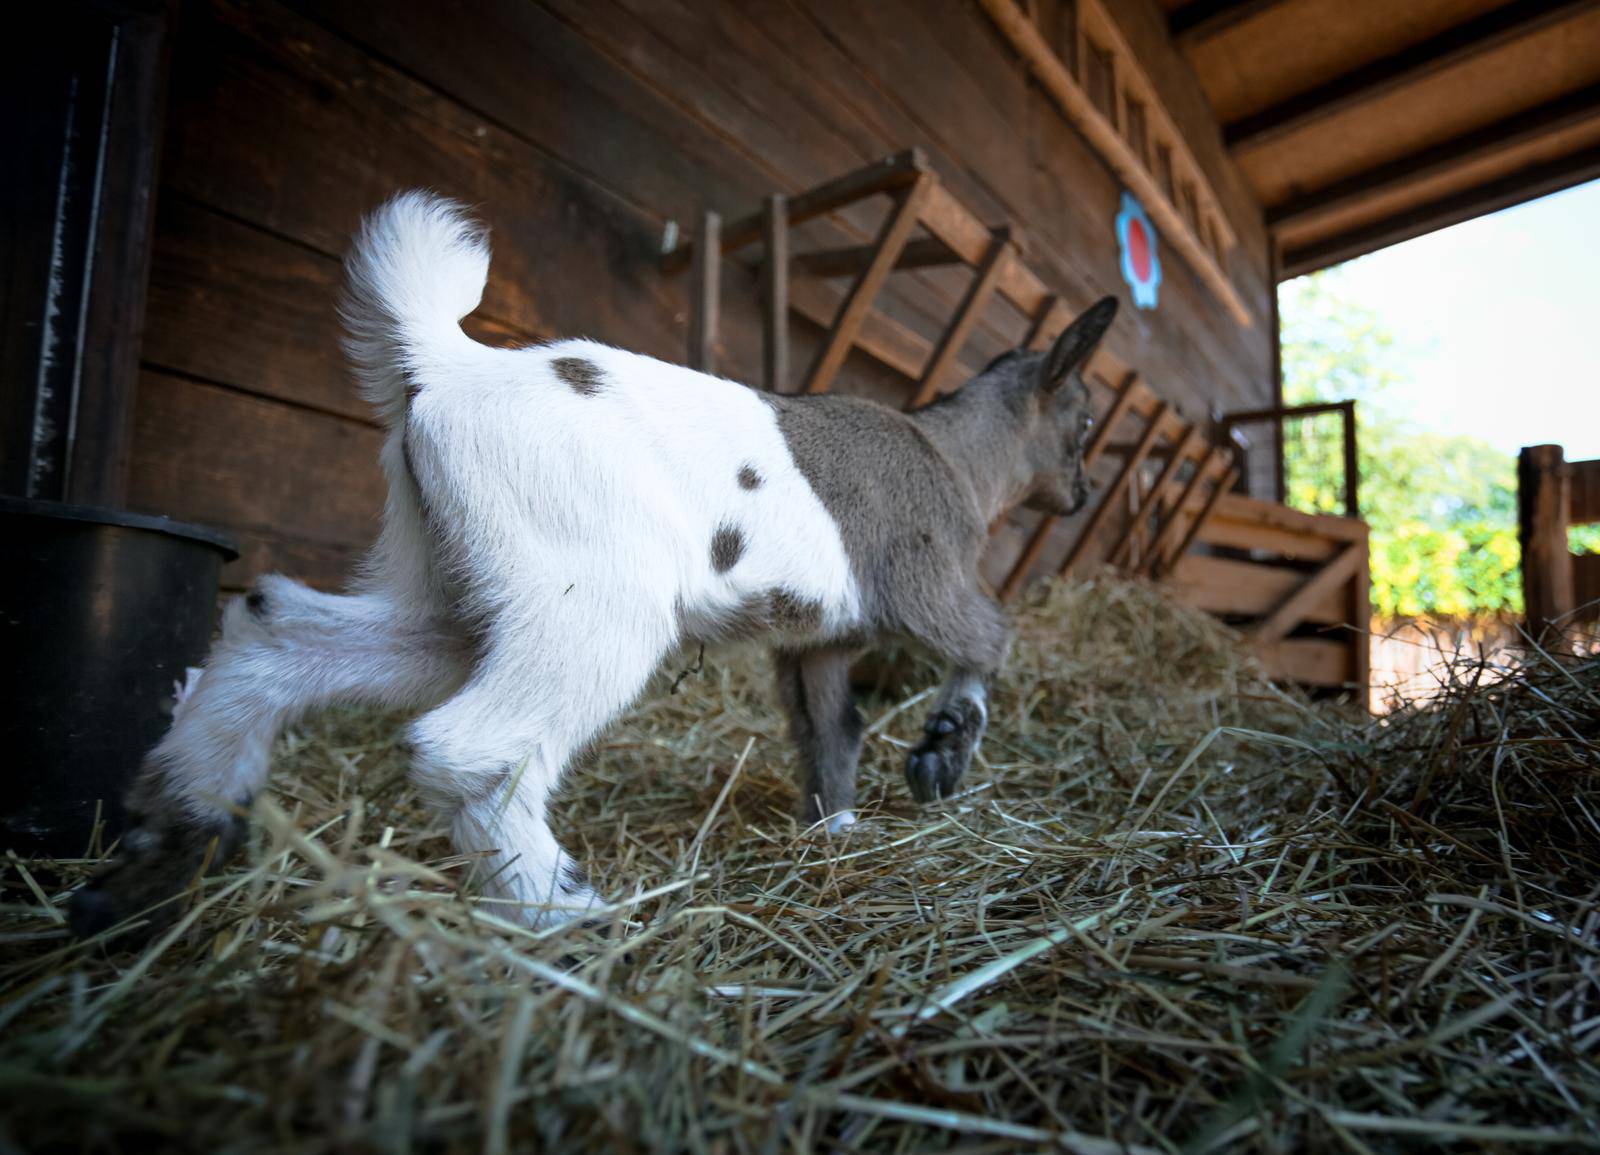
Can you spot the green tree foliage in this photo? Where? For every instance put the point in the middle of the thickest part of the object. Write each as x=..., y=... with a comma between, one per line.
x=1443, y=509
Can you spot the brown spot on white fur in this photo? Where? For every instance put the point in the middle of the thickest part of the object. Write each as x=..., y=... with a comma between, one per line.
x=727, y=547
x=748, y=477
x=582, y=375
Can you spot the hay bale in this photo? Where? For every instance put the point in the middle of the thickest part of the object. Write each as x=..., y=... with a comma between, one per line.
x=1177, y=907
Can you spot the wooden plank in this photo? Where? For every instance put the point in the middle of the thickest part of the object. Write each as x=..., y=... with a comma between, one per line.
x=213, y=455
x=1140, y=518
x=1113, y=494
x=897, y=227
x=1226, y=586
x=1048, y=322
x=1366, y=84
x=705, y=293
x=1121, y=405
x=1586, y=586
x=1116, y=152
x=883, y=338
x=1238, y=507
x=1542, y=505
x=954, y=338
x=1204, y=20
x=1527, y=184
x=1309, y=662
x=1233, y=534
x=1571, y=109
x=775, y=293
x=1293, y=609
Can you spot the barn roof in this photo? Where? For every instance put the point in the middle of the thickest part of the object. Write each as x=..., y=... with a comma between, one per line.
x=1361, y=123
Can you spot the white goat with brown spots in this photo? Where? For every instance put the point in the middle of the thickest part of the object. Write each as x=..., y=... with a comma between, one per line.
x=562, y=518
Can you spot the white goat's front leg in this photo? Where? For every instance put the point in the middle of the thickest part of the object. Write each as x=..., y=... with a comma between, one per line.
x=284, y=649
x=555, y=673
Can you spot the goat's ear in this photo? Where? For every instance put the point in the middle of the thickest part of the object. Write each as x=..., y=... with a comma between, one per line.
x=1076, y=342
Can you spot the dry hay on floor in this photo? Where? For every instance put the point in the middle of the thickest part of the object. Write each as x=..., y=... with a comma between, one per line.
x=1177, y=909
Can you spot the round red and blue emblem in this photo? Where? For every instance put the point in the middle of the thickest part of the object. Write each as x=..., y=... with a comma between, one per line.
x=1141, y=267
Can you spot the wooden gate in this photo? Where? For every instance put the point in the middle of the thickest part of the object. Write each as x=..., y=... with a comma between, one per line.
x=1559, y=587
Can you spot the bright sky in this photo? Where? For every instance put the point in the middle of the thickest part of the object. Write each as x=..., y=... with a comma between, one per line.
x=1497, y=324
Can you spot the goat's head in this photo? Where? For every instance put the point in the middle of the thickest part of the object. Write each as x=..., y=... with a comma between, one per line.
x=1047, y=390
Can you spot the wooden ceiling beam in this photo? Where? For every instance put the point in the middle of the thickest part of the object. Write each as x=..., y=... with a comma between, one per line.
x=1365, y=84
x=1492, y=196
x=1201, y=21
x=1526, y=127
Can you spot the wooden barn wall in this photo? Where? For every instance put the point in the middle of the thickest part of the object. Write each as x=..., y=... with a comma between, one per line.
x=579, y=129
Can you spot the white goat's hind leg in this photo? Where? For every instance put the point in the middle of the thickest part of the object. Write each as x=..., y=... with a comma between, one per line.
x=490, y=757
x=284, y=649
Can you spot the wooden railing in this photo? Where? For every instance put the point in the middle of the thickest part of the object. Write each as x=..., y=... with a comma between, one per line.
x=1279, y=415
x=1558, y=586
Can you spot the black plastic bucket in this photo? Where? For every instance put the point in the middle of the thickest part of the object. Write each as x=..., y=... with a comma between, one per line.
x=100, y=614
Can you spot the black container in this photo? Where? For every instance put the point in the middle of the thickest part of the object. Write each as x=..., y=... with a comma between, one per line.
x=100, y=613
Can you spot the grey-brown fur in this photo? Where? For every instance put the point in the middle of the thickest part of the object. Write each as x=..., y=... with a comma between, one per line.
x=727, y=547
x=814, y=688
x=584, y=377
x=913, y=495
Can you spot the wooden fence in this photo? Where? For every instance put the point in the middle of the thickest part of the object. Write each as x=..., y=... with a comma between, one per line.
x=1558, y=586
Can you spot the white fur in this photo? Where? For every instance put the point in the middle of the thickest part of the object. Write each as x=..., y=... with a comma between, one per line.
x=542, y=551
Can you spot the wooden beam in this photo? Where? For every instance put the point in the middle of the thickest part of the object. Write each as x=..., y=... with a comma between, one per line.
x=1363, y=85
x=925, y=252
x=1117, y=153
x=1120, y=406
x=1570, y=110
x=1294, y=608
x=1583, y=499
x=705, y=293
x=775, y=293
x=1543, y=505
x=890, y=173
x=976, y=299
x=1047, y=323
x=1198, y=22
x=1115, y=490
x=892, y=237
x=1528, y=184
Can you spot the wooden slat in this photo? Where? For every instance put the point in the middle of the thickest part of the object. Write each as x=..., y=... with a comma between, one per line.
x=1152, y=501
x=1121, y=404
x=1203, y=20
x=882, y=337
x=1047, y=323
x=1238, y=507
x=1543, y=485
x=705, y=294
x=892, y=237
x=1309, y=661
x=775, y=293
x=1114, y=492
x=1586, y=584
x=1369, y=82
x=1216, y=458
x=967, y=313
x=1232, y=533
x=1199, y=523
x=1221, y=585
x=1294, y=608
x=891, y=173
x=849, y=260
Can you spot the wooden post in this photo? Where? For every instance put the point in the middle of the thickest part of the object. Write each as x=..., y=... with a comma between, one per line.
x=1352, y=461
x=705, y=292
x=775, y=293
x=1542, y=507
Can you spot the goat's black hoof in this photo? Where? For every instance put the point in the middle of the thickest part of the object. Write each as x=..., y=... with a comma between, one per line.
x=936, y=765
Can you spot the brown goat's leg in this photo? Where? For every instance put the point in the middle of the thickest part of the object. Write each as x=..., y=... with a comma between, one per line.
x=974, y=640
x=814, y=687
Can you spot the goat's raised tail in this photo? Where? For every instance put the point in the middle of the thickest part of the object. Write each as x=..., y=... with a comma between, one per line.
x=417, y=267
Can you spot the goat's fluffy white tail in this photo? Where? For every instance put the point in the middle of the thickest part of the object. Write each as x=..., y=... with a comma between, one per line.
x=417, y=267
